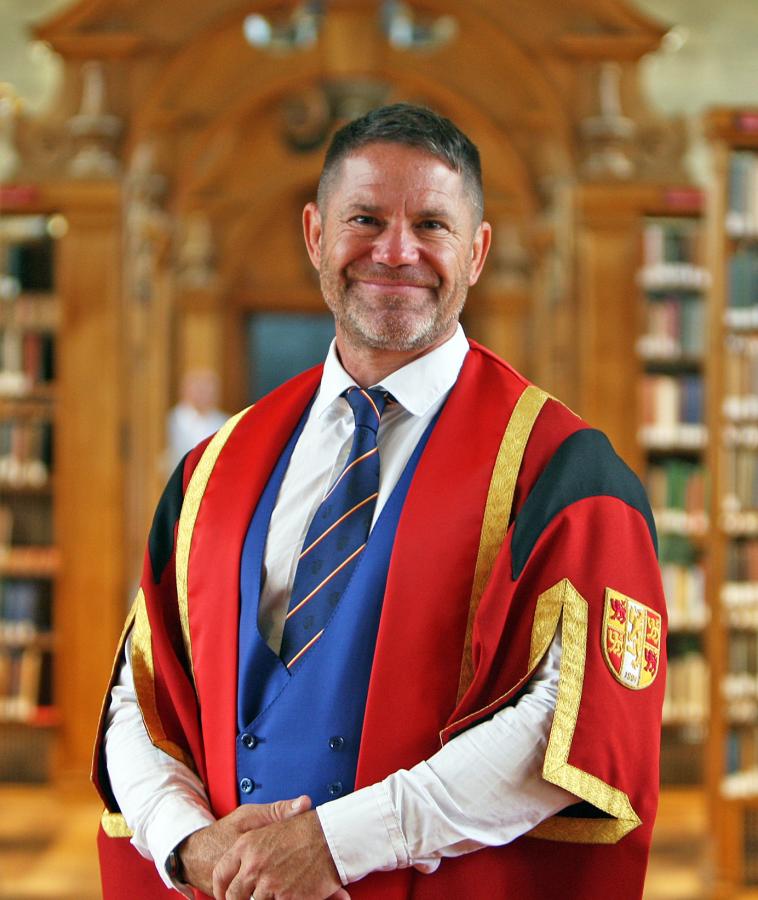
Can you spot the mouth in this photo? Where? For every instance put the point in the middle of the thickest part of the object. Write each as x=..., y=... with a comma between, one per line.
x=394, y=287
x=387, y=280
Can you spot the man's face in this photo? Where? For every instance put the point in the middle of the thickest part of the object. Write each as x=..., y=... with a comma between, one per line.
x=397, y=247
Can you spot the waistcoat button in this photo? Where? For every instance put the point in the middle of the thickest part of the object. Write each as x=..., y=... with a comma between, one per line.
x=336, y=742
x=246, y=786
x=335, y=788
x=249, y=740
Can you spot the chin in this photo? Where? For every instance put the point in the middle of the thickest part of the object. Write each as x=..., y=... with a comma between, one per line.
x=399, y=336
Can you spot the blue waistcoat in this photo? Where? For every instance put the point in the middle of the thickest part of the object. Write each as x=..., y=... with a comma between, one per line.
x=299, y=732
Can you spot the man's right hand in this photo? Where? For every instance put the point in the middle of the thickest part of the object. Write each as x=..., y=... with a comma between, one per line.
x=200, y=851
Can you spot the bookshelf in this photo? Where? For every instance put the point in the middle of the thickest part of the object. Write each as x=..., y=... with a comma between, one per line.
x=673, y=439
x=733, y=461
x=29, y=559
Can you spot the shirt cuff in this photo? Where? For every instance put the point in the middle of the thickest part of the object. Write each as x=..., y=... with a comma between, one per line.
x=369, y=813
x=174, y=819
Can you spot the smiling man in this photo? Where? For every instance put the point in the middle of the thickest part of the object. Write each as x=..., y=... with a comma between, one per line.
x=400, y=630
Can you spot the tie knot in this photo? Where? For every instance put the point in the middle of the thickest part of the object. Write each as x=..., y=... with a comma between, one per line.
x=367, y=406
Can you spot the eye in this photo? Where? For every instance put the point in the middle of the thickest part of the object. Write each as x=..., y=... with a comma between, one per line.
x=432, y=225
x=365, y=220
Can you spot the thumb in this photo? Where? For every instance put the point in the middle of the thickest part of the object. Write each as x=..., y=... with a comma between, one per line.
x=341, y=894
x=256, y=815
x=288, y=809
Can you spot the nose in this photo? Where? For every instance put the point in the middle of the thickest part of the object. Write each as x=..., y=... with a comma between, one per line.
x=396, y=245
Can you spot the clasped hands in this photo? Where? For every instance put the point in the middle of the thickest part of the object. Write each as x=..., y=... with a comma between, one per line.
x=275, y=850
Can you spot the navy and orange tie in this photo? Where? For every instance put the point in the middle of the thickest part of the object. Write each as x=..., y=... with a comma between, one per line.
x=337, y=534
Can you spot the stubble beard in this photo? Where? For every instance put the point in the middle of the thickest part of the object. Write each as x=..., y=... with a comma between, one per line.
x=395, y=328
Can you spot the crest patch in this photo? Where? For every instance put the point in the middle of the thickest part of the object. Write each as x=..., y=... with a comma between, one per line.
x=631, y=640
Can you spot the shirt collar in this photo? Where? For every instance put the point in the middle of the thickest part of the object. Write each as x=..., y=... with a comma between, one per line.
x=416, y=386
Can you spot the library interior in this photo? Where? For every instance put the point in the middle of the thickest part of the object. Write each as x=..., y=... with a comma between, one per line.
x=155, y=159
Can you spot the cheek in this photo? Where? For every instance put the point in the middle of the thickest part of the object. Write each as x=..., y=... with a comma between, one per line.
x=342, y=252
x=450, y=264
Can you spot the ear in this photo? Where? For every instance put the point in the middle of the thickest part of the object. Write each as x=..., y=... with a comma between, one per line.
x=312, y=231
x=479, y=250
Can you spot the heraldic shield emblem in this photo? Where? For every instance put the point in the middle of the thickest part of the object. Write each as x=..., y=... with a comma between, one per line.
x=631, y=640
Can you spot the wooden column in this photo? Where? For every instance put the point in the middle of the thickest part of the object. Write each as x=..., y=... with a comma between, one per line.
x=498, y=316
x=607, y=309
x=89, y=608
x=200, y=327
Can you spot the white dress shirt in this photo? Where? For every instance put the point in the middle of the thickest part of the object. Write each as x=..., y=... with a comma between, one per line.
x=484, y=788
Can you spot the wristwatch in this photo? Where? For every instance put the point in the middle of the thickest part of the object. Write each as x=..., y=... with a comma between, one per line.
x=174, y=866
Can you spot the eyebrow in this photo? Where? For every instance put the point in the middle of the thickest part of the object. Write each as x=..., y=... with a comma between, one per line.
x=432, y=212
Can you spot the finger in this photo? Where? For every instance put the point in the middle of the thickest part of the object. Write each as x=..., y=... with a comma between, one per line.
x=241, y=888
x=224, y=872
x=341, y=894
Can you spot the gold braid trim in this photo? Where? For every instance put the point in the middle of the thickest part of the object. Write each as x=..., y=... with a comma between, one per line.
x=116, y=667
x=564, y=600
x=497, y=510
x=144, y=683
x=190, y=508
x=114, y=825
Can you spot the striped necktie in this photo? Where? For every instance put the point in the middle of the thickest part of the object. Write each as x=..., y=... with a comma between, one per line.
x=337, y=534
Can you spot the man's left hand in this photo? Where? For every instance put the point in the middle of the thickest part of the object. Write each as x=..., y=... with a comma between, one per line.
x=285, y=861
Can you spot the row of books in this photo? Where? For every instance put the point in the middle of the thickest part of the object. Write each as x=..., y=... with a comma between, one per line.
x=740, y=369
x=674, y=328
x=740, y=435
x=25, y=609
x=676, y=484
x=741, y=678
x=739, y=602
x=25, y=521
x=684, y=587
x=740, y=705
x=27, y=264
x=671, y=250
x=742, y=278
x=686, y=694
x=24, y=682
x=30, y=312
x=671, y=400
x=738, y=523
x=742, y=199
x=741, y=762
x=740, y=480
x=671, y=240
x=26, y=452
x=27, y=358
x=742, y=562
x=740, y=407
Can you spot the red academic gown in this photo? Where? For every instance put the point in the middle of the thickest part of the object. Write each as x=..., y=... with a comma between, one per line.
x=577, y=554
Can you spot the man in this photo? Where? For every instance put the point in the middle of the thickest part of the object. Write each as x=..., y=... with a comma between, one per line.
x=452, y=655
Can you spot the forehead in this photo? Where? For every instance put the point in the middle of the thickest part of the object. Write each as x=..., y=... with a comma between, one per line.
x=385, y=173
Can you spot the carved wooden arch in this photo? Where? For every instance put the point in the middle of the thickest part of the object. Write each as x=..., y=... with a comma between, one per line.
x=191, y=62
x=277, y=166
x=186, y=74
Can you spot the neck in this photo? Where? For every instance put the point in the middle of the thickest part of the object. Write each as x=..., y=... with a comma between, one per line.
x=368, y=365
